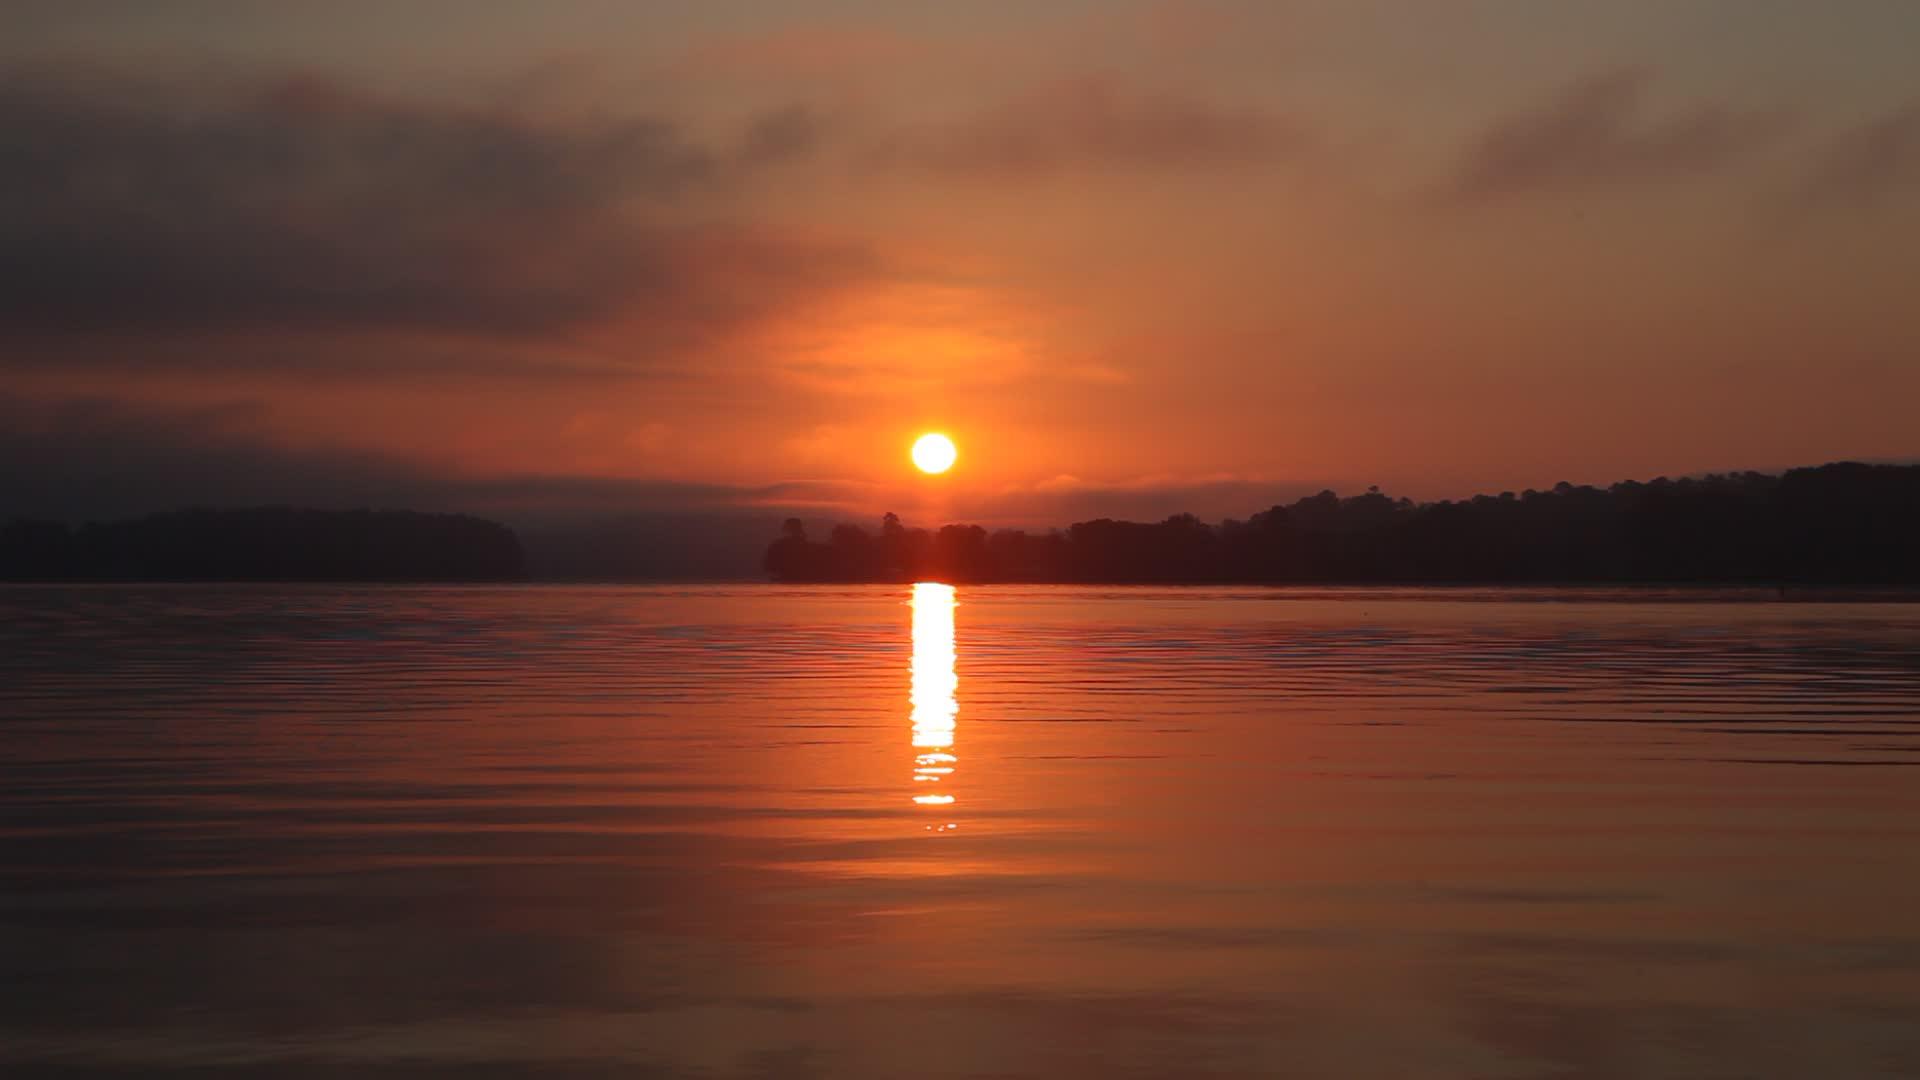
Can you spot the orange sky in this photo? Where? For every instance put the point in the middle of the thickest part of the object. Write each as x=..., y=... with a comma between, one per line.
x=1131, y=256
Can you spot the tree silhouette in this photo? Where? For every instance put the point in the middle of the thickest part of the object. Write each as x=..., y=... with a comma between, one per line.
x=1843, y=523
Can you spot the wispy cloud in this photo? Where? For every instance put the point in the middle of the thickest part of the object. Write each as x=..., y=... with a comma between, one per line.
x=1095, y=123
x=1868, y=164
x=1600, y=131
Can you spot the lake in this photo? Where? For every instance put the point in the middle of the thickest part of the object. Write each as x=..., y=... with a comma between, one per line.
x=1006, y=831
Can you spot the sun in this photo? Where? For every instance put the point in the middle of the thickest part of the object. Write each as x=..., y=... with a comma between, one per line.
x=934, y=453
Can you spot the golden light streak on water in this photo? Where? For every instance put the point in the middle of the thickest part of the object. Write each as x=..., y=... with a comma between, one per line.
x=934, y=690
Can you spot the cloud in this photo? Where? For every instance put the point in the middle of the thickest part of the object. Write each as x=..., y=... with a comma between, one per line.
x=1868, y=164
x=136, y=205
x=1596, y=132
x=1095, y=124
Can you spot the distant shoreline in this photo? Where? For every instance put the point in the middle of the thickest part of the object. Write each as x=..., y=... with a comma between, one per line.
x=1529, y=592
x=1835, y=527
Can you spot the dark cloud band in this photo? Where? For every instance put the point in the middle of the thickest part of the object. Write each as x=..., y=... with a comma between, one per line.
x=143, y=206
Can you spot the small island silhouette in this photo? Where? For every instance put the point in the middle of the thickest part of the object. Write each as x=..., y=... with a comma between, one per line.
x=265, y=544
x=1837, y=524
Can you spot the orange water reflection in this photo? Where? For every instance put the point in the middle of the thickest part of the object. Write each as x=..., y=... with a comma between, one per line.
x=934, y=696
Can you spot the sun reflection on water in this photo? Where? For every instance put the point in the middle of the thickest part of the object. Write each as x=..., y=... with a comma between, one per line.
x=933, y=693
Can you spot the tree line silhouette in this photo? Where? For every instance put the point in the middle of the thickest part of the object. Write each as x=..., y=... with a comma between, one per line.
x=1841, y=524
x=265, y=544
x=1844, y=523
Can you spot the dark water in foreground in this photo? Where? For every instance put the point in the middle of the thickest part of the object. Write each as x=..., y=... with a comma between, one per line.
x=743, y=832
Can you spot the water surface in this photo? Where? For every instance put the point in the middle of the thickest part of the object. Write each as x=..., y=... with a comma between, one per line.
x=1001, y=831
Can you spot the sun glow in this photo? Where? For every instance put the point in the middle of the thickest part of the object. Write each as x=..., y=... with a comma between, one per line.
x=934, y=453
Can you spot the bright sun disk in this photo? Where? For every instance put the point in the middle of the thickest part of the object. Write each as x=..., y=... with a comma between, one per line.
x=934, y=453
